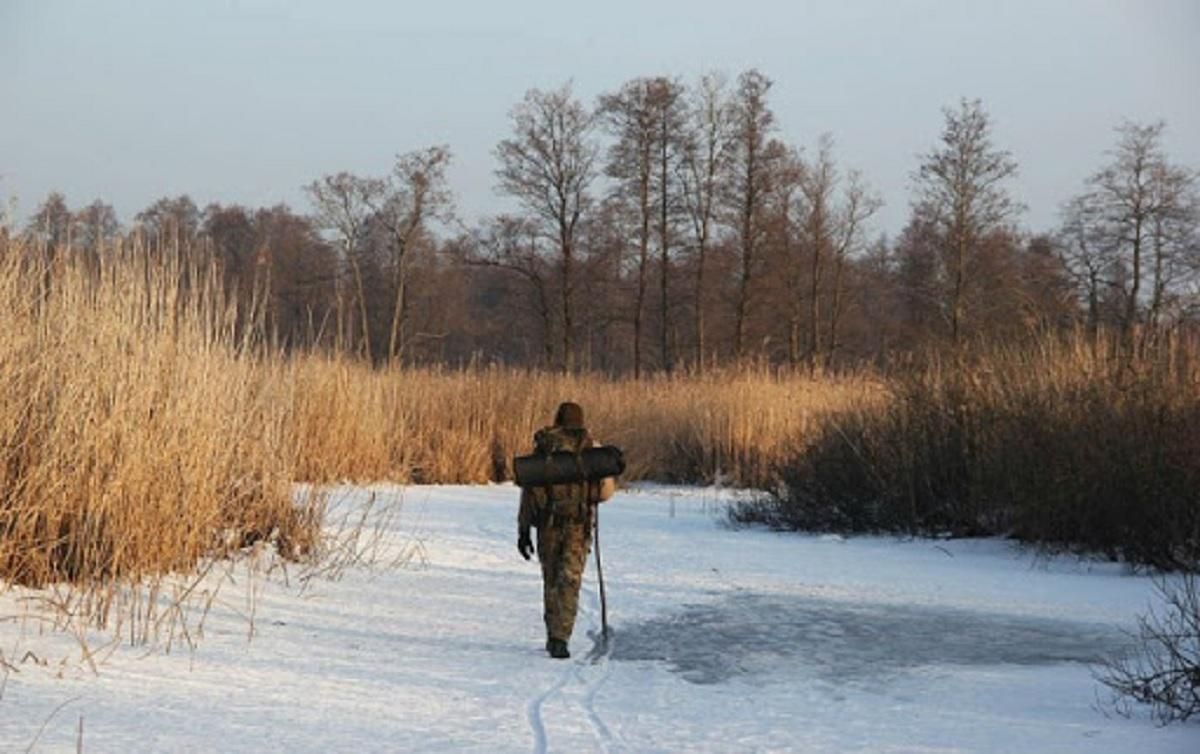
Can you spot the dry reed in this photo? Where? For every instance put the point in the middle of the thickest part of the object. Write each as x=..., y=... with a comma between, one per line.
x=139, y=435
x=147, y=428
x=148, y=431
x=433, y=425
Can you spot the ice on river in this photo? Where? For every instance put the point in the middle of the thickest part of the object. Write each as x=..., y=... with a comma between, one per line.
x=722, y=640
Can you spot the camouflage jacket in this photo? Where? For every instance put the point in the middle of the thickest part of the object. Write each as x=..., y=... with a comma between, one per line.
x=559, y=503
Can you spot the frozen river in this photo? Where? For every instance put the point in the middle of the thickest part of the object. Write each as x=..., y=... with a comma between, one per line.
x=723, y=640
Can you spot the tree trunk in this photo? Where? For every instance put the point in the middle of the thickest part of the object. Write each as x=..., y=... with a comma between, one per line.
x=664, y=253
x=362, y=305
x=1093, y=312
x=835, y=314
x=1129, y=325
x=700, y=254
x=567, y=251
x=796, y=308
x=396, y=341
x=814, y=314
x=960, y=276
x=740, y=311
x=1160, y=283
x=547, y=324
x=639, y=305
x=396, y=337
x=743, y=297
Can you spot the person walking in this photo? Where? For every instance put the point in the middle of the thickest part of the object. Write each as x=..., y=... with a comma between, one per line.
x=563, y=515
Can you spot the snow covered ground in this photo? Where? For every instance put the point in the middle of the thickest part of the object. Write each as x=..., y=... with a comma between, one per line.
x=723, y=640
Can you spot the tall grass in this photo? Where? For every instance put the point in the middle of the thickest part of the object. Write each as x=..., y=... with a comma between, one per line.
x=1062, y=443
x=138, y=434
x=145, y=428
x=432, y=425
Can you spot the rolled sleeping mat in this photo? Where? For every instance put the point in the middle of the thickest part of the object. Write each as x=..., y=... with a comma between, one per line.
x=565, y=467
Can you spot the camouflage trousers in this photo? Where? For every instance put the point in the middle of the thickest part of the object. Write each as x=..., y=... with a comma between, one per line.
x=562, y=549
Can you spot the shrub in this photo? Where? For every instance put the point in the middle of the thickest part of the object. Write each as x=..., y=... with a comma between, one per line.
x=1060, y=445
x=1163, y=670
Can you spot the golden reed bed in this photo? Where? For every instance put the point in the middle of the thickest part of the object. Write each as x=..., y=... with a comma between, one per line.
x=141, y=429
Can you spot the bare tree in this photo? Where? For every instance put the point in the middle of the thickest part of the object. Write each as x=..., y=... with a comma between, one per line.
x=828, y=212
x=705, y=163
x=920, y=299
x=230, y=230
x=344, y=204
x=516, y=244
x=819, y=182
x=789, y=203
x=604, y=241
x=647, y=118
x=1088, y=256
x=1142, y=213
x=748, y=189
x=960, y=189
x=630, y=118
x=95, y=225
x=1127, y=203
x=415, y=193
x=859, y=204
x=878, y=299
x=1044, y=286
x=548, y=166
x=299, y=272
x=1173, y=239
x=669, y=120
x=170, y=221
x=51, y=224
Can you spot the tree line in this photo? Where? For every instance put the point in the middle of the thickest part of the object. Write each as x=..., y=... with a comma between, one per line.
x=669, y=225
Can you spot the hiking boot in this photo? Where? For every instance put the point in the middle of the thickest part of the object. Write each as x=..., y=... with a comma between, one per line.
x=557, y=649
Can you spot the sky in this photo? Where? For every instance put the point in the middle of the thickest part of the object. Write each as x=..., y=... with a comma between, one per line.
x=248, y=100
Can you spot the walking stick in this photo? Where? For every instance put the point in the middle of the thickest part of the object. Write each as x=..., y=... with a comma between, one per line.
x=600, y=573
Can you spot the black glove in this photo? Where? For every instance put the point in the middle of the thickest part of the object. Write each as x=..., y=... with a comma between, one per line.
x=525, y=545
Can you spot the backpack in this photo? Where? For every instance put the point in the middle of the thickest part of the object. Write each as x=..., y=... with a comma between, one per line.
x=564, y=502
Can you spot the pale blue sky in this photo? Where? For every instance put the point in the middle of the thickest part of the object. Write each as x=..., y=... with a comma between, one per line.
x=247, y=100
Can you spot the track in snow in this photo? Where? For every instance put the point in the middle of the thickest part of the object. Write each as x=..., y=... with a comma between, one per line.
x=589, y=673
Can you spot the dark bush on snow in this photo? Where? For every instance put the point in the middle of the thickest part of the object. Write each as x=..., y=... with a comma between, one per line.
x=1062, y=446
x=1163, y=670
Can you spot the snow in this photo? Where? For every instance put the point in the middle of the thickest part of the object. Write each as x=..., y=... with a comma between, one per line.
x=723, y=640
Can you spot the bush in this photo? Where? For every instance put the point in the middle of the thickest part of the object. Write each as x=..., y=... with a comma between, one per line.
x=1060, y=445
x=1163, y=671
